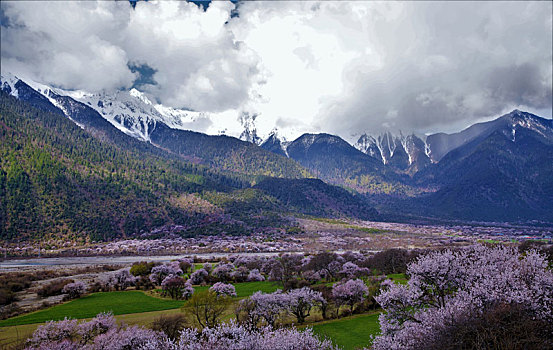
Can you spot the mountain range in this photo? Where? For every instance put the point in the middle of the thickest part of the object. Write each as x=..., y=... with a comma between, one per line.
x=500, y=170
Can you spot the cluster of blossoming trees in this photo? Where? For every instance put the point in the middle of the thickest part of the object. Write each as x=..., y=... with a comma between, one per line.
x=265, y=309
x=474, y=298
x=103, y=333
x=477, y=297
x=291, y=271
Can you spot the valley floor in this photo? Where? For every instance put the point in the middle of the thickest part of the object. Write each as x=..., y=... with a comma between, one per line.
x=315, y=234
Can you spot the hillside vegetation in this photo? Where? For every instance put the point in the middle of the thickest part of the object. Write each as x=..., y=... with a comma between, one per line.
x=60, y=180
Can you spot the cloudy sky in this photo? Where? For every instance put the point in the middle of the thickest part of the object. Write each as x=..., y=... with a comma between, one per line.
x=337, y=67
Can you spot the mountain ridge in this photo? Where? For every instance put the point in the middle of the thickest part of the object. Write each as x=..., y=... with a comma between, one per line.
x=223, y=152
x=395, y=173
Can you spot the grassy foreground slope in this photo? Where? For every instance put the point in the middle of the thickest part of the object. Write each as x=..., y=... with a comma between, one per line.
x=121, y=303
x=349, y=332
x=118, y=303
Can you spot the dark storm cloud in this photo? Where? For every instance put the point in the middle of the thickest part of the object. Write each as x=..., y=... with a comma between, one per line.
x=447, y=65
x=337, y=67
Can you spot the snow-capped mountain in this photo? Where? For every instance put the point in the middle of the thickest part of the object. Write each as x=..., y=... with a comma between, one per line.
x=8, y=82
x=129, y=111
x=275, y=143
x=134, y=113
x=368, y=145
x=27, y=89
x=398, y=151
x=440, y=144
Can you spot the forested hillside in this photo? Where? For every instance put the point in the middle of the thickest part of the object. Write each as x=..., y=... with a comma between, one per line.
x=56, y=178
x=60, y=180
x=226, y=153
x=332, y=159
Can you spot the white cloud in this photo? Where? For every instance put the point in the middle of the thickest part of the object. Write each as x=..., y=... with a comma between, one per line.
x=338, y=67
x=64, y=44
x=87, y=45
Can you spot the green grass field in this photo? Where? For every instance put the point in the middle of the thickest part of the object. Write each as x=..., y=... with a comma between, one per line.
x=400, y=278
x=349, y=333
x=246, y=289
x=118, y=303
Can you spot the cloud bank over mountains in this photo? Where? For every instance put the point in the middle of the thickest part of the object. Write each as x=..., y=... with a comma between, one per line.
x=337, y=67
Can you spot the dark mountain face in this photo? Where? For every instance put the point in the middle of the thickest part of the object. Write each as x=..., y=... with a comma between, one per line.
x=368, y=145
x=511, y=128
x=497, y=178
x=332, y=159
x=83, y=115
x=314, y=197
x=405, y=154
x=495, y=171
x=441, y=144
x=416, y=149
x=28, y=94
x=226, y=153
x=56, y=179
x=222, y=152
x=309, y=146
x=273, y=144
x=399, y=159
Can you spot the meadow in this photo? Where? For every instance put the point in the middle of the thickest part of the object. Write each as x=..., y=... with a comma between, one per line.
x=118, y=303
x=137, y=307
x=349, y=332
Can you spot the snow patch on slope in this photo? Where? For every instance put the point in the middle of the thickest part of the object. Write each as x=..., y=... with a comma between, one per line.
x=8, y=82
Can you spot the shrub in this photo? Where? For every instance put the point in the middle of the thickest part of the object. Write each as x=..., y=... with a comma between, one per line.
x=171, y=325
x=300, y=302
x=223, y=289
x=6, y=297
x=53, y=288
x=268, y=306
x=173, y=286
x=207, y=308
x=141, y=268
x=240, y=274
x=325, y=306
x=350, y=293
x=99, y=333
x=144, y=283
x=188, y=290
x=186, y=264
x=500, y=326
x=255, y=275
x=102, y=334
x=222, y=272
x=74, y=290
x=16, y=286
x=391, y=260
x=198, y=276
x=161, y=271
x=9, y=310
x=238, y=337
